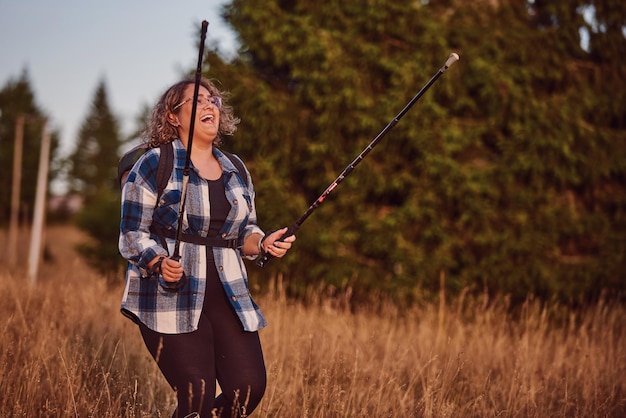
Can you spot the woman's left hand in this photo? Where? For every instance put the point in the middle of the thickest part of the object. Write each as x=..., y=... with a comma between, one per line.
x=273, y=246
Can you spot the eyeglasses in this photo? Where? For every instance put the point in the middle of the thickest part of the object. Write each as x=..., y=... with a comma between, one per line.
x=202, y=100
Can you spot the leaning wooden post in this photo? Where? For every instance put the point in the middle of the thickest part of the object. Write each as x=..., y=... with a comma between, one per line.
x=40, y=206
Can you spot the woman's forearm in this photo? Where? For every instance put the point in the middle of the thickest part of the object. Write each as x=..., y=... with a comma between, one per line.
x=251, y=245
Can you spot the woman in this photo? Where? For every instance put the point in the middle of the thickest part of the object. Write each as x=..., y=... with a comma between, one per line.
x=196, y=316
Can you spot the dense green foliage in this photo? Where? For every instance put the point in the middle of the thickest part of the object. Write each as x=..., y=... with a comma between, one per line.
x=17, y=98
x=507, y=176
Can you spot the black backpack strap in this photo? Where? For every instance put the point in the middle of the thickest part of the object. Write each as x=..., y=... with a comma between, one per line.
x=239, y=165
x=165, y=167
x=164, y=171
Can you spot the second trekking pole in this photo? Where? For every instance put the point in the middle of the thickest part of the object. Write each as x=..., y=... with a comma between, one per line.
x=262, y=261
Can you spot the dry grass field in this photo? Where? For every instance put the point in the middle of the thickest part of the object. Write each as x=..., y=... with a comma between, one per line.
x=66, y=351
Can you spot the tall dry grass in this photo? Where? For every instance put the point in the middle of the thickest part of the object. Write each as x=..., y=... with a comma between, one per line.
x=66, y=351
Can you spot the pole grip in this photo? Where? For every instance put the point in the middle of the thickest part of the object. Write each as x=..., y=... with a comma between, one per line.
x=266, y=257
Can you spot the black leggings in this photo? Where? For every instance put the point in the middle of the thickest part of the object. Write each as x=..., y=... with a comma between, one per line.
x=219, y=349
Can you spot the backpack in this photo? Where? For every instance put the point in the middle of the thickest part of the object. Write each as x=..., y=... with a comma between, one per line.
x=166, y=165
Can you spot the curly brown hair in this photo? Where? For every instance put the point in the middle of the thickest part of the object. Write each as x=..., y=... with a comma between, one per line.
x=159, y=131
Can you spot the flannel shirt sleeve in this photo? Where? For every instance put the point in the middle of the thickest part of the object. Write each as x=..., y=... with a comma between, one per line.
x=138, y=203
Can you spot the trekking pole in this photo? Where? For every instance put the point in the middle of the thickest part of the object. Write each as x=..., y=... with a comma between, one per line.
x=194, y=105
x=454, y=57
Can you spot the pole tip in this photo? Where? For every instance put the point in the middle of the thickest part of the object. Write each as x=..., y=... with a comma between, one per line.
x=454, y=57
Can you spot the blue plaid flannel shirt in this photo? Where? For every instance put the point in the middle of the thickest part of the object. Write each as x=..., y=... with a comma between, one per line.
x=144, y=299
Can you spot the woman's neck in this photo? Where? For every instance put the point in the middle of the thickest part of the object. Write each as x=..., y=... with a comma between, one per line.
x=205, y=162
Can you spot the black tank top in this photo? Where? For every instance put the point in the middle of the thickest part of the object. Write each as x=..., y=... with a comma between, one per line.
x=220, y=206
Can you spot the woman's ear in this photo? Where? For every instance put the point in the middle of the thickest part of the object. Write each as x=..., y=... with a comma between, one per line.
x=173, y=120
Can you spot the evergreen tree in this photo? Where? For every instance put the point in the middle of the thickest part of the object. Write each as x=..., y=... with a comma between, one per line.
x=93, y=174
x=94, y=160
x=17, y=98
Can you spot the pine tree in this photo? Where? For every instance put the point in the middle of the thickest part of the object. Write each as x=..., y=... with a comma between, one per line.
x=94, y=176
x=94, y=160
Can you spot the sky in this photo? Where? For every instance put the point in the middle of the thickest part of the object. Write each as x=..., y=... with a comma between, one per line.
x=137, y=47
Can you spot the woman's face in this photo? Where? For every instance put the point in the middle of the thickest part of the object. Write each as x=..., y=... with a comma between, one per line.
x=207, y=121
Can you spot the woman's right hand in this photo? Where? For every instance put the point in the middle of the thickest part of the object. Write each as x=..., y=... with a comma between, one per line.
x=171, y=270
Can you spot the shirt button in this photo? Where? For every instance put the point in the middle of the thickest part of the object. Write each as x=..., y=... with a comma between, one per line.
x=235, y=201
x=162, y=201
x=221, y=268
x=234, y=298
x=224, y=235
